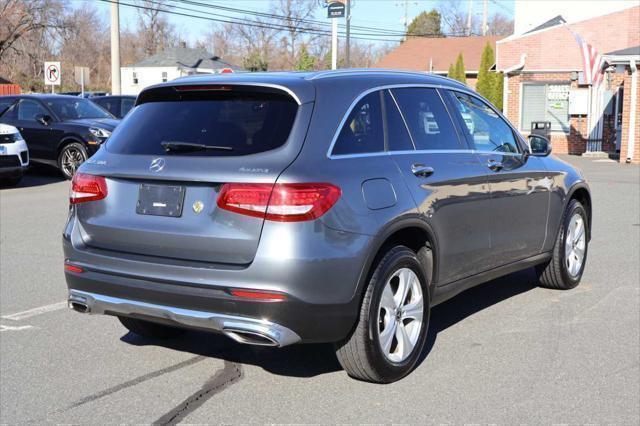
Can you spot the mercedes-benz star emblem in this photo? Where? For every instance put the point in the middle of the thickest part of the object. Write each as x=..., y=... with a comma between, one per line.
x=157, y=165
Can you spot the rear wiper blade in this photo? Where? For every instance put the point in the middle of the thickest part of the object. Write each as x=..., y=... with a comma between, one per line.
x=175, y=146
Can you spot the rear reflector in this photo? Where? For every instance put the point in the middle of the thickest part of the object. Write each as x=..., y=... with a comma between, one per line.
x=86, y=187
x=282, y=202
x=258, y=295
x=73, y=268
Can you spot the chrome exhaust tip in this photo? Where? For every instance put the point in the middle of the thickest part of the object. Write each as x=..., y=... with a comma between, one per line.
x=81, y=307
x=250, y=337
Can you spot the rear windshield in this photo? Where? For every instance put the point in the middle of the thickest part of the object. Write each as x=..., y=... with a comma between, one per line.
x=241, y=123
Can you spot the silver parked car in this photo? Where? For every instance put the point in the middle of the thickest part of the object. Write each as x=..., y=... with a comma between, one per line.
x=280, y=208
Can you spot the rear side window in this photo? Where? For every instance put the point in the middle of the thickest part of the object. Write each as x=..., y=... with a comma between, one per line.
x=363, y=131
x=126, y=106
x=427, y=118
x=243, y=123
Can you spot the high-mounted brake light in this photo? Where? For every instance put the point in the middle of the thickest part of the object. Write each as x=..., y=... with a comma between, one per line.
x=282, y=202
x=86, y=187
x=203, y=87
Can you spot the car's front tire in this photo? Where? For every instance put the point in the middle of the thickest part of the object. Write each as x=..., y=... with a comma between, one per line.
x=393, y=322
x=148, y=329
x=564, y=270
x=71, y=157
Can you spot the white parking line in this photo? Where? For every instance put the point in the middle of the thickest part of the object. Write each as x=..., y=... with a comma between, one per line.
x=14, y=328
x=35, y=311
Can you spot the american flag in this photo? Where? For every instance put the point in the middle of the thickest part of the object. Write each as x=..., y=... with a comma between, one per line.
x=592, y=61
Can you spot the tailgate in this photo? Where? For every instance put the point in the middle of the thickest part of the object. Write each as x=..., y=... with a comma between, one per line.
x=163, y=204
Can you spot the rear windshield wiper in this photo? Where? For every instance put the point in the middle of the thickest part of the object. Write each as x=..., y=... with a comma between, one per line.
x=174, y=146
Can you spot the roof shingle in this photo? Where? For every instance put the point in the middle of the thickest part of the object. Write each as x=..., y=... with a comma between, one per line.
x=416, y=53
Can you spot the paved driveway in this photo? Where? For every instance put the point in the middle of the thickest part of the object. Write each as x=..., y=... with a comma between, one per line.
x=506, y=352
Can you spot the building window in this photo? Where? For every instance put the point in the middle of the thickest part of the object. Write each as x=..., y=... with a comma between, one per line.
x=164, y=76
x=545, y=102
x=135, y=77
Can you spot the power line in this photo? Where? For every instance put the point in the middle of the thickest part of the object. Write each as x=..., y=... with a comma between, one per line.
x=266, y=25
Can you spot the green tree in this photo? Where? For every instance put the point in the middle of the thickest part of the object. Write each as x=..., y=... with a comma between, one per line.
x=255, y=62
x=498, y=88
x=428, y=23
x=452, y=71
x=305, y=61
x=486, y=79
x=460, y=72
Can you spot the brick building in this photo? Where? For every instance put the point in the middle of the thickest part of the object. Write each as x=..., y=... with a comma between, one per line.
x=543, y=81
x=436, y=54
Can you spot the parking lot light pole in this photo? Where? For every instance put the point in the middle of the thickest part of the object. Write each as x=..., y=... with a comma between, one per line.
x=115, y=48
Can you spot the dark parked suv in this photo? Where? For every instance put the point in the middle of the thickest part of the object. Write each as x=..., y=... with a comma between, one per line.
x=60, y=130
x=341, y=206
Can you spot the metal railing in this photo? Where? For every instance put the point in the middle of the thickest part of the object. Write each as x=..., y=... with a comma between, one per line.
x=594, y=145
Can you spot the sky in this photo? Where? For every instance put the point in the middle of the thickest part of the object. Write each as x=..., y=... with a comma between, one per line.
x=387, y=14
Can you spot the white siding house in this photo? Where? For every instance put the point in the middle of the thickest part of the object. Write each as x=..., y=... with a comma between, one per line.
x=169, y=64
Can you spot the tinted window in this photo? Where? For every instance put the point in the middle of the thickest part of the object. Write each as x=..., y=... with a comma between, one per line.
x=5, y=103
x=427, y=118
x=486, y=129
x=110, y=104
x=362, y=132
x=247, y=123
x=72, y=108
x=28, y=110
x=398, y=137
x=127, y=104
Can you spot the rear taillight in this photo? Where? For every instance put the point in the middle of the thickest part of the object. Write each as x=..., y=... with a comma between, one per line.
x=86, y=187
x=282, y=202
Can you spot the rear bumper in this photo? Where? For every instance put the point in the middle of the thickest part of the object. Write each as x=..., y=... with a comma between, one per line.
x=319, y=281
x=241, y=329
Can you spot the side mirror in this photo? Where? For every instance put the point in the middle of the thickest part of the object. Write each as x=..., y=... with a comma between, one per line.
x=43, y=119
x=540, y=146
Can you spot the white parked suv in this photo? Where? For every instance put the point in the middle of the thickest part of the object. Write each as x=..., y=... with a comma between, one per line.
x=14, y=155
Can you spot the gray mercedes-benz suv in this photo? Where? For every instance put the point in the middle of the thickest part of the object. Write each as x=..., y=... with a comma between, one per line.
x=340, y=206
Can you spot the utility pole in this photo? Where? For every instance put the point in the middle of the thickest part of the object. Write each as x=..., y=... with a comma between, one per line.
x=115, y=48
x=469, y=13
x=485, y=12
x=348, y=46
x=334, y=43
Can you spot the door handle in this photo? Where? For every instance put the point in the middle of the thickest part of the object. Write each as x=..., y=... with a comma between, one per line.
x=421, y=170
x=494, y=165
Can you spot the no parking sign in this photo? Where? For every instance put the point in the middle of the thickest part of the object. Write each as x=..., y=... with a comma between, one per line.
x=52, y=74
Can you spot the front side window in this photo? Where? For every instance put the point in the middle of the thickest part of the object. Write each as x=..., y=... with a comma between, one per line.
x=486, y=129
x=71, y=108
x=108, y=104
x=363, y=131
x=428, y=120
x=29, y=109
x=545, y=102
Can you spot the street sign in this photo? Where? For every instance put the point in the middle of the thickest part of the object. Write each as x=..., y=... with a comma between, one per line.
x=52, y=74
x=335, y=9
x=81, y=75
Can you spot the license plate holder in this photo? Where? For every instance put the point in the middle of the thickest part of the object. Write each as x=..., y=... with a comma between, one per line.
x=160, y=200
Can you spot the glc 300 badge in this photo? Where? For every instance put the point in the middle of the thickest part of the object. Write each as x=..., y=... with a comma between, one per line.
x=198, y=206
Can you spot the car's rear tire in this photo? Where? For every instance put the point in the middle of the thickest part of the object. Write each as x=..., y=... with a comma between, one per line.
x=150, y=329
x=393, y=322
x=564, y=270
x=71, y=157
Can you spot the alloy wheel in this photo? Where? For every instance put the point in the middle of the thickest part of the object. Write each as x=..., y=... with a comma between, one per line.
x=72, y=158
x=400, y=315
x=575, y=245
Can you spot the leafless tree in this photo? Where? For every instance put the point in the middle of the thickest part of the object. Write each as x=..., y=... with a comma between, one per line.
x=296, y=12
x=19, y=18
x=155, y=30
x=500, y=25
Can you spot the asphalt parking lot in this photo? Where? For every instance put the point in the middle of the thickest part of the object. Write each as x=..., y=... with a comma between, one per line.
x=506, y=352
